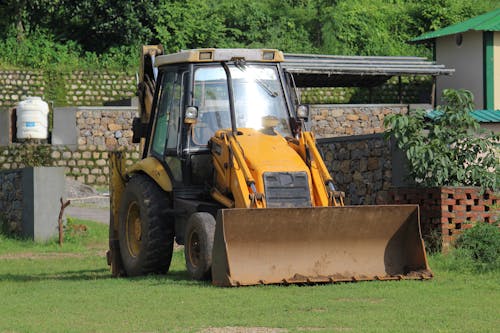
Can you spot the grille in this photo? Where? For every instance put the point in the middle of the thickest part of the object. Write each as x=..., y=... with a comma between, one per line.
x=287, y=189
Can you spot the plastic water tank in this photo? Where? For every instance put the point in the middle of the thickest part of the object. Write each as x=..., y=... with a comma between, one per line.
x=32, y=119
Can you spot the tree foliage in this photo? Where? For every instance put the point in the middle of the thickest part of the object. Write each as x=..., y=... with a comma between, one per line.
x=448, y=151
x=102, y=30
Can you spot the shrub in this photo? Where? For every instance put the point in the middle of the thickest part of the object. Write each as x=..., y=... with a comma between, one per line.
x=450, y=150
x=481, y=244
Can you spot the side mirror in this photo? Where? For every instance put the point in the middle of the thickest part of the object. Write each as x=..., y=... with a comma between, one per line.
x=302, y=111
x=191, y=115
x=139, y=130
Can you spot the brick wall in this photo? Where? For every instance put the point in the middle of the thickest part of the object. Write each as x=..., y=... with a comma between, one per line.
x=446, y=211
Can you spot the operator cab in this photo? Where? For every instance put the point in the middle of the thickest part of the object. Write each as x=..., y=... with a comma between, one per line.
x=201, y=91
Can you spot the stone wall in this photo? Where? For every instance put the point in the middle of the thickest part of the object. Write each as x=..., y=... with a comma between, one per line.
x=334, y=120
x=86, y=164
x=414, y=89
x=96, y=88
x=29, y=202
x=85, y=136
x=16, y=83
x=76, y=88
x=361, y=166
x=107, y=128
x=85, y=88
x=11, y=201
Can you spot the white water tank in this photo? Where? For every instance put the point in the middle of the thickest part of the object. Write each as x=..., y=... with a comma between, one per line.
x=32, y=119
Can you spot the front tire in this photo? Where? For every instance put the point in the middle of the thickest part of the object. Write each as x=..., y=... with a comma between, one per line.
x=146, y=232
x=199, y=241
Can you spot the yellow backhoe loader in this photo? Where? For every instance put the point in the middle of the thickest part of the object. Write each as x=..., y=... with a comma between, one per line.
x=229, y=171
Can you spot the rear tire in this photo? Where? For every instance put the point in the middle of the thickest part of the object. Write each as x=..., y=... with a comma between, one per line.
x=146, y=232
x=199, y=241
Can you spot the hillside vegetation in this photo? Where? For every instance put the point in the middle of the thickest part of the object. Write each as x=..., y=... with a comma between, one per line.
x=89, y=34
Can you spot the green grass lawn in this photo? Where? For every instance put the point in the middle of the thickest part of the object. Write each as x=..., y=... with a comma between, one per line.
x=44, y=288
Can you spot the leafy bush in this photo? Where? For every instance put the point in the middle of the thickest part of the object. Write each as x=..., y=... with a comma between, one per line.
x=477, y=250
x=450, y=150
x=41, y=50
x=35, y=155
x=481, y=243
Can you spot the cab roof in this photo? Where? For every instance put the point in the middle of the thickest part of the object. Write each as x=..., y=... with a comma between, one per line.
x=217, y=55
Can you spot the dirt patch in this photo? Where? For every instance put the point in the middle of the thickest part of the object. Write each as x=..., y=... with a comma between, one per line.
x=233, y=329
x=367, y=300
x=31, y=255
x=324, y=329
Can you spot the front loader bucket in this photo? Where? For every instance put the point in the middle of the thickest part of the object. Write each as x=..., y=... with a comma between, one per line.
x=324, y=244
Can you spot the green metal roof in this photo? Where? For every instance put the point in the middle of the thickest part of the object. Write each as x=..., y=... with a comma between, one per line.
x=482, y=116
x=487, y=22
x=487, y=116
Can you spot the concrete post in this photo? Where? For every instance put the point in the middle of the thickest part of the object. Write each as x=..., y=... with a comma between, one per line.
x=42, y=187
x=5, y=128
x=65, y=131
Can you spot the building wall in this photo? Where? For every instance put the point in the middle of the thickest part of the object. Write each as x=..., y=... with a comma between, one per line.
x=496, y=70
x=467, y=60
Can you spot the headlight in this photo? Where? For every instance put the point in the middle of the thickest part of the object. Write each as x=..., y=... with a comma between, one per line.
x=303, y=111
x=191, y=115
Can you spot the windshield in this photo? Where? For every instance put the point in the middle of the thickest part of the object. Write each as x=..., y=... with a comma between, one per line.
x=257, y=94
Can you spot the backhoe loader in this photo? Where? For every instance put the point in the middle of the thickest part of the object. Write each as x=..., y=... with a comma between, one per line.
x=229, y=171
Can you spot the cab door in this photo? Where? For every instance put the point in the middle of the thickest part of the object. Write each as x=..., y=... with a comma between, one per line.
x=167, y=128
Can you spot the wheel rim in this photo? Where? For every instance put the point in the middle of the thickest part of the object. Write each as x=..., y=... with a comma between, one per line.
x=133, y=227
x=194, y=249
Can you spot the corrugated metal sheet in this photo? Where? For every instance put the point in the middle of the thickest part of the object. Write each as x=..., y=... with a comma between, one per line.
x=486, y=22
x=483, y=116
x=487, y=116
x=351, y=71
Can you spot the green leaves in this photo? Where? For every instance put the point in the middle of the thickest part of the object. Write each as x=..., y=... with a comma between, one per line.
x=481, y=243
x=450, y=151
x=102, y=30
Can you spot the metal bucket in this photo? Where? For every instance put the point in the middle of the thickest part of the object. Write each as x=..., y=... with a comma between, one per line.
x=318, y=245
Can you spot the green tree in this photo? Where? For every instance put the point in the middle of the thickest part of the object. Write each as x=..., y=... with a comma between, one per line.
x=103, y=24
x=430, y=15
x=188, y=24
x=377, y=27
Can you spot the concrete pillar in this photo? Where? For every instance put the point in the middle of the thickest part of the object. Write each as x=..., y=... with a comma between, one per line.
x=42, y=188
x=5, y=127
x=65, y=131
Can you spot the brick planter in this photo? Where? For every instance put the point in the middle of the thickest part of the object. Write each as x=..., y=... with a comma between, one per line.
x=446, y=211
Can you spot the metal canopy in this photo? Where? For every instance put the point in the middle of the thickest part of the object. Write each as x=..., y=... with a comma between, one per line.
x=355, y=71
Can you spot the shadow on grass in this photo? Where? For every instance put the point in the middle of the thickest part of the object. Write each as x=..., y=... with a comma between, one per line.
x=100, y=274
x=173, y=276
x=76, y=275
